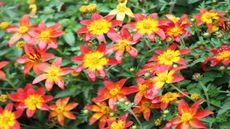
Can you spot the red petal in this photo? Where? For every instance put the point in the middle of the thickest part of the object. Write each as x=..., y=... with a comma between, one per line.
x=114, y=36
x=116, y=23
x=39, y=78
x=30, y=113
x=132, y=51
x=173, y=46
x=139, y=16
x=14, y=39
x=24, y=21
x=185, y=51
x=49, y=85
x=57, y=62
x=161, y=34
x=84, y=49
x=121, y=82
x=137, y=37
x=3, y=64
x=147, y=114
x=102, y=73
x=85, y=22
x=108, y=84
x=197, y=124
x=92, y=75
x=82, y=30
x=202, y=114
x=195, y=106
x=27, y=68
x=100, y=38
x=153, y=15
x=60, y=83
x=9, y=107
x=183, y=107
x=101, y=48
x=119, y=55
x=77, y=59
x=96, y=16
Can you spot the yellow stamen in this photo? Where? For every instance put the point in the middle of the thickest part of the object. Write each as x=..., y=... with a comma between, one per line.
x=33, y=102
x=114, y=91
x=44, y=35
x=147, y=26
x=208, y=17
x=23, y=29
x=99, y=27
x=186, y=117
x=169, y=57
x=7, y=119
x=175, y=31
x=118, y=125
x=169, y=97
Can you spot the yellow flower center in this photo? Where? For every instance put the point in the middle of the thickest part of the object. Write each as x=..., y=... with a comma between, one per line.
x=175, y=31
x=163, y=77
x=207, y=17
x=195, y=96
x=186, y=117
x=20, y=44
x=123, y=44
x=4, y=25
x=169, y=97
x=60, y=110
x=118, y=125
x=44, y=35
x=34, y=101
x=34, y=57
x=121, y=8
x=223, y=55
x=23, y=29
x=146, y=105
x=114, y=91
x=99, y=27
x=169, y=57
x=147, y=26
x=142, y=87
x=94, y=60
x=53, y=73
x=7, y=119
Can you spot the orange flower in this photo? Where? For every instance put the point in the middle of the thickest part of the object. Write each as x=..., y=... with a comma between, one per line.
x=189, y=116
x=33, y=58
x=8, y=119
x=53, y=74
x=98, y=26
x=30, y=99
x=2, y=64
x=146, y=107
x=62, y=109
x=170, y=56
x=147, y=25
x=120, y=123
x=124, y=42
x=93, y=61
x=209, y=17
x=113, y=92
x=21, y=31
x=221, y=55
x=45, y=36
x=100, y=112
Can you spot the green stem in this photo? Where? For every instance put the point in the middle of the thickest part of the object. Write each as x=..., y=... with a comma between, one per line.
x=11, y=84
x=205, y=93
x=176, y=88
x=138, y=121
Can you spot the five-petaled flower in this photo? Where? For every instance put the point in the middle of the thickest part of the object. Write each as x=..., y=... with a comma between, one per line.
x=147, y=25
x=189, y=116
x=221, y=55
x=21, y=31
x=62, y=109
x=121, y=123
x=124, y=42
x=53, y=74
x=2, y=64
x=33, y=58
x=93, y=61
x=113, y=92
x=30, y=99
x=8, y=118
x=100, y=112
x=98, y=26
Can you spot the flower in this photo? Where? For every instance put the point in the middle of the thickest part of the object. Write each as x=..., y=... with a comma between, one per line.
x=20, y=44
x=114, y=92
x=146, y=25
x=21, y=31
x=93, y=61
x=146, y=107
x=4, y=25
x=98, y=26
x=121, y=10
x=195, y=96
x=45, y=36
x=30, y=99
x=8, y=118
x=100, y=112
x=120, y=123
x=222, y=55
x=124, y=42
x=209, y=17
x=176, y=28
x=167, y=98
x=62, y=109
x=2, y=64
x=3, y=98
x=53, y=74
x=170, y=56
x=189, y=116
x=88, y=8
x=157, y=122
x=33, y=58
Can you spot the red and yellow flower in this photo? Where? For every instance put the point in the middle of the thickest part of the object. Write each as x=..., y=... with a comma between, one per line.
x=33, y=58
x=3, y=64
x=176, y=28
x=147, y=25
x=62, y=109
x=170, y=56
x=8, y=118
x=124, y=42
x=45, y=36
x=98, y=26
x=93, y=61
x=120, y=123
x=189, y=116
x=209, y=17
x=53, y=74
x=114, y=92
x=21, y=31
x=100, y=112
x=145, y=107
x=30, y=99
x=221, y=55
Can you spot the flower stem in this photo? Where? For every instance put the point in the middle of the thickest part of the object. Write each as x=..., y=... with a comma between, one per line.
x=138, y=121
x=205, y=93
x=176, y=88
x=11, y=84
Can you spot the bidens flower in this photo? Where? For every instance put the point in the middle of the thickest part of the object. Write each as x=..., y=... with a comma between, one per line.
x=120, y=123
x=2, y=64
x=98, y=26
x=62, y=109
x=93, y=61
x=53, y=74
x=189, y=116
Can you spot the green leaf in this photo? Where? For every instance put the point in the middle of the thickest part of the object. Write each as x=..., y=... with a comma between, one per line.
x=69, y=38
x=224, y=108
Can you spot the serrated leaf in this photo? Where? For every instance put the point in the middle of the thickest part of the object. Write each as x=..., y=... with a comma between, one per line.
x=224, y=108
